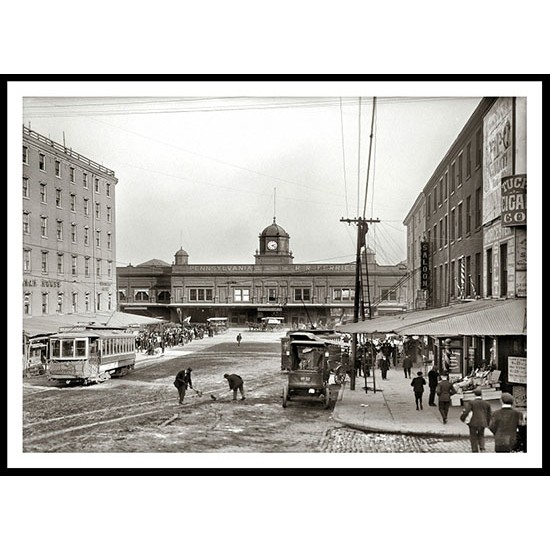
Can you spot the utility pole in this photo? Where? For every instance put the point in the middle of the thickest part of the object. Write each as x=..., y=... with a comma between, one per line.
x=362, y=228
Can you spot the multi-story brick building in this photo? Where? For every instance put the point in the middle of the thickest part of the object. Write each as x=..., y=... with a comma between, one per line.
x=274, y=286
x=474, y=211
x=418, y=273
x=69, y=237
x=453, y=206
x=476, y=238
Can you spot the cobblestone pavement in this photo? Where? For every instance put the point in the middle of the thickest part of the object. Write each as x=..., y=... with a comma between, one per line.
x=348, y=440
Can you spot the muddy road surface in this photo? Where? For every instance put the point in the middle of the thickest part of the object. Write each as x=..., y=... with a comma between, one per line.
x=140, y=413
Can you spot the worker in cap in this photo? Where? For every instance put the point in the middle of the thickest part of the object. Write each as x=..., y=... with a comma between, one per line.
x=507, y=399
x=504, y=425
x=236, y=384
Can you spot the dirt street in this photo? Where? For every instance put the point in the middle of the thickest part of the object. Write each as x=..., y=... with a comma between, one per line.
x=141, y=413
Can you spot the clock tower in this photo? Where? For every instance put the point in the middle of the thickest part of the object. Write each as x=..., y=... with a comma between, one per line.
x=274, y=246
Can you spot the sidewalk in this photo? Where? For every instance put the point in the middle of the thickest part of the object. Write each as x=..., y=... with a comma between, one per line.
x=392, y=409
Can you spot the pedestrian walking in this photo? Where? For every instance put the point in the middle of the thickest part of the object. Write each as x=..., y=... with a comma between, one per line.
x=479, y=420
x=407, y=365
x=504, y=425
x=444, y=390
x=433, y=380
x=418, y=384
x=239, y=338
x=236, y=384
x=182, y=382
x=384, y=365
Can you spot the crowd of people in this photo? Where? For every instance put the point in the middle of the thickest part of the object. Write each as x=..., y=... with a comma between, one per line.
x=155, y=340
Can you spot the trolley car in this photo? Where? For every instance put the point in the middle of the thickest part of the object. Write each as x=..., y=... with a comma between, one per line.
x=91, y=354
x=309, y=373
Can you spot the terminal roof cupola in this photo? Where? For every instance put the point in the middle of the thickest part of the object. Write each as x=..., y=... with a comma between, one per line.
x=274, y=246
x=181, y=257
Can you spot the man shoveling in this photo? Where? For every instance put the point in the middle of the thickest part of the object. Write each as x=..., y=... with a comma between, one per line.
x=182, y=382
x=236, y=384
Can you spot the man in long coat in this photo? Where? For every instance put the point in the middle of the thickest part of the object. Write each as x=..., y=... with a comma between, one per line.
x=480, y=419
x=504, y=424
x=444, y=391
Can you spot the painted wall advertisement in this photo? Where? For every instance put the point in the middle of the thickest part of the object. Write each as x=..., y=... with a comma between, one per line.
x=517, y=370
x=498, y=153
x=513, y=191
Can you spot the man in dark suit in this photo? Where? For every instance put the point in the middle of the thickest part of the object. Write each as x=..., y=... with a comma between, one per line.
x=182, y=382
x=444, y=391
x=480, y=419
x=407, y=365
x=504, y=424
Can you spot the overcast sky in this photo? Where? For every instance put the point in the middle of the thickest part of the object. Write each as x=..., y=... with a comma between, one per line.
x=209, y=172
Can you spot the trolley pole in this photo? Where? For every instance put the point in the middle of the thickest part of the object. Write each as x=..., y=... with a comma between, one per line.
x=362, y=228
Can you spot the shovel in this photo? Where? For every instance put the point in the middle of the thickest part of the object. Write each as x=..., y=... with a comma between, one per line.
x=214, y=397
x=198, y=392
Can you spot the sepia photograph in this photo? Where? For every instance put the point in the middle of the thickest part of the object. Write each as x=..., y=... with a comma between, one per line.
x=274, y=273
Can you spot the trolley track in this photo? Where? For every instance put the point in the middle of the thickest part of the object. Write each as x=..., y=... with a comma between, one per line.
x=158, y=408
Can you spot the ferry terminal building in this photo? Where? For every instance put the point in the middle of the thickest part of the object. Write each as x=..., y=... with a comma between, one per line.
x=274, y=286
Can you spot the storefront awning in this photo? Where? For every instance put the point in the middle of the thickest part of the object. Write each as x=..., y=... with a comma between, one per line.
x=501, y=318
x=475, y=317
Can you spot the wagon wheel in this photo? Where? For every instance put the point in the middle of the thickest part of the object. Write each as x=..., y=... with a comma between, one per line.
x=327, y=398
x=285, y=396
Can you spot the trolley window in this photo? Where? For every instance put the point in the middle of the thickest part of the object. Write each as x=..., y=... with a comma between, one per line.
x=55, y=347
x=80, y=348
x=67, y=348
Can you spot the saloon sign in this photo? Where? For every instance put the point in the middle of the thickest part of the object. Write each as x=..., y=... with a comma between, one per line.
x=424, y=265
x=514, y=200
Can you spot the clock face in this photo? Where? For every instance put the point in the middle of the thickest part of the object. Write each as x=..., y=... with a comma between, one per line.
x=272, y=245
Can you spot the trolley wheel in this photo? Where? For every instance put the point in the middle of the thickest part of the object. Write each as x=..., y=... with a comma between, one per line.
x=285, y=396
x=327, y=398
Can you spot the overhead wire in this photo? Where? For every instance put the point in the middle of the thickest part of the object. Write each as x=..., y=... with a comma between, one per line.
x=308, y=102
x=344, y=157
x=207, y=157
